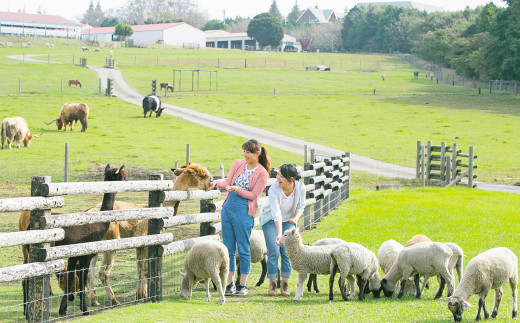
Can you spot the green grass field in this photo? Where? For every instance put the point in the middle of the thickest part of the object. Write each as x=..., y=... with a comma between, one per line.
x=337, y=109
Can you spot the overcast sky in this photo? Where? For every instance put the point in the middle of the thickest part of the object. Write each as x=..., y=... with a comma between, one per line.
x=73, y=9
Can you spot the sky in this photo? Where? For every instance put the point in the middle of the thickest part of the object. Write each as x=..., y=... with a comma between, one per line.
x=74, y=9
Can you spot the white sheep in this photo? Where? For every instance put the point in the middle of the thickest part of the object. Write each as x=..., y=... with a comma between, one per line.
x=305, y=259
x=206, y=260
x=489, y=270
x=354, y=259
x=258, y=250
x=386, y=255
x=313, y=278
x=420, y=259
x=456, y=262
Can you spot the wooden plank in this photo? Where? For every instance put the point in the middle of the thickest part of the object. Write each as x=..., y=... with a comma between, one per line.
x=30, y=237
x=191, y=219
x=184, y=245
x=310, y=187
x=90, y=248
x=308, y=173
x=310, y=201
x=31, y=203
x=19, y=272
x=333, y=174
x=316, y=193
x=344, y=179
x=328, y=168
x=56, y=189
x=191, y=195
x=68, y=220
x=317, y=165
x=317, y=179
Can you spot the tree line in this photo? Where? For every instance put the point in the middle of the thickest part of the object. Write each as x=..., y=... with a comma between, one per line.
x=482, y=43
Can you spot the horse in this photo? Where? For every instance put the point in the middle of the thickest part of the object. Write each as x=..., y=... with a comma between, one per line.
x=75, y=82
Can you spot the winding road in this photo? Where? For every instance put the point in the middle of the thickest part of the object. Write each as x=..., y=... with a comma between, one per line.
x=360, y=163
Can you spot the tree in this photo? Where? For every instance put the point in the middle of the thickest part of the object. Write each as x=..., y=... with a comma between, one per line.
x=273, y=10
x=93, y=16
x=109, y=22
x=214, y=25
x=295, y=13
x=123, y=31
x=266, y=30
x=156, y=11
x=238, y=25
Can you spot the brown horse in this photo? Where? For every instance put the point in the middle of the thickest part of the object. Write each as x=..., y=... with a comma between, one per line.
x=75, y=82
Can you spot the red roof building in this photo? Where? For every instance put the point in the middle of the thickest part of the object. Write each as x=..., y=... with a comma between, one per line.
x=28, y=24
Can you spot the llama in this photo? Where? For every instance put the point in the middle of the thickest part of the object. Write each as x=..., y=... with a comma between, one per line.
x=87, y=233
x=188, y=176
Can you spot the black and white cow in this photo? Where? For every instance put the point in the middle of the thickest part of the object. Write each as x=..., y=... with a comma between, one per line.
x=152, y=103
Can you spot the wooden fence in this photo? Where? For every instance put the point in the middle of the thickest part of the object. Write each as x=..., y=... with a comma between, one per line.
x=327, y=182
x=444, y=165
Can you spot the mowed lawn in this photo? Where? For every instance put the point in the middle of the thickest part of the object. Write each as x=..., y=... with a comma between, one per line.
x=475, y=220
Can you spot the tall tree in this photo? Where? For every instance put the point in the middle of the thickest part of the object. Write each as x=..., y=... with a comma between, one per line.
x=123, y=31
x=94, y=15
x=266, y=30
x=273, y=10
x=295, y=13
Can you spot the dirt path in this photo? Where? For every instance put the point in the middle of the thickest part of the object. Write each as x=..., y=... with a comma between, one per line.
x=123, y=91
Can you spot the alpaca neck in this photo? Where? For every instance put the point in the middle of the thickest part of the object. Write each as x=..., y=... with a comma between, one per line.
x=108, y=202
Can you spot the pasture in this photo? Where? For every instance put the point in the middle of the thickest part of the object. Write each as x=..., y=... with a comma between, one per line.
x=476, y=220
x=337, y=109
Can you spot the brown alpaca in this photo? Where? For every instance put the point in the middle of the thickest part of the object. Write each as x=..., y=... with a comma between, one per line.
x=87, y=233
x=188, y=176
x=75, y=82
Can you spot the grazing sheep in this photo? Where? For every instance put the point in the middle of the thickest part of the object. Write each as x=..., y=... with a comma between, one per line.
x=84, y=49
x=420, y=259
x=258, y=254
x=489, y=270
x=97, y=49
x=313, y=278
x=354, y=259
x=456, y=262
x=417, y=239
x=383, y=77
x=386, y=255
x=206, y=260
x=306, y=259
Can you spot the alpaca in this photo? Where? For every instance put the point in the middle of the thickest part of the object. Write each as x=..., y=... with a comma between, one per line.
x=188, y=176
x=87, y=233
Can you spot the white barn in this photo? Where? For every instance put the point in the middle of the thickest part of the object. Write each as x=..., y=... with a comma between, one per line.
x=177, y=34
x=27, y=24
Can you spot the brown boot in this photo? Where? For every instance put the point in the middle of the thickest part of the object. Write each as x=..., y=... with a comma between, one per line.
x=272, y=287
x=284, y=288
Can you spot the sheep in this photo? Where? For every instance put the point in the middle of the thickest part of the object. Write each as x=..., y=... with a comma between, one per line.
x=258, y=254
x=420, y=259
x=386, y=255
x=306, y=259
x=489, y=270
x=417, y=239
x=456, y=262
x=313, y=278
x=354, y=259
x=206, y=260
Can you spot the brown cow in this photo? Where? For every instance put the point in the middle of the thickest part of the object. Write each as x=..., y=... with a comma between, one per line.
x=70, y=113
x=16, y=129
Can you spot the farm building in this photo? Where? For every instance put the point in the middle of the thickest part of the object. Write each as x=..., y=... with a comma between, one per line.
x=178, y=34
x=318, y=16
x=28, y=24
x=404, y=4
x=224, y=39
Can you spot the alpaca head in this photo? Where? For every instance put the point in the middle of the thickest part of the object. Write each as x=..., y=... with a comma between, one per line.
x=115, y=174
x=191, y=175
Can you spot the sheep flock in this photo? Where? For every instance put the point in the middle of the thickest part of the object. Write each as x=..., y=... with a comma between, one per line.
x=401, y=265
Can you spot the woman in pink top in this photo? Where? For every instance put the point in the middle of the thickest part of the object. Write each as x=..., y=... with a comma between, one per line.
x=244, y=184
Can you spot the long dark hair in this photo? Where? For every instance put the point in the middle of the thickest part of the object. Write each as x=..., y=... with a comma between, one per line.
x=253, y=146
x=288, y=171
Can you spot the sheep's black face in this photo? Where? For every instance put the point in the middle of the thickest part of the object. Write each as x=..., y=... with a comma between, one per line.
x=457, y=308
x=376, y=292
x=159, y=111
x=386, y=288
x=185, y=289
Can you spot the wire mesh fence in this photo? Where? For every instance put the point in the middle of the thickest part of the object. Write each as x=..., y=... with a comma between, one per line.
x=442, y=75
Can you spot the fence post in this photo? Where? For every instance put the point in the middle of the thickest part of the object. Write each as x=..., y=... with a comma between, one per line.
x=418, y=163
x=423, y=174
x=206, y=206
x=66, y=175
x=222, y=174
x=447, y=176
x=470, y=166
x=155, y=199
x=454, y=156
x=443, y=160
x=307, y=211
x=187, y=154
x=347, y=191
x=38, y=288
x=428, y=158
